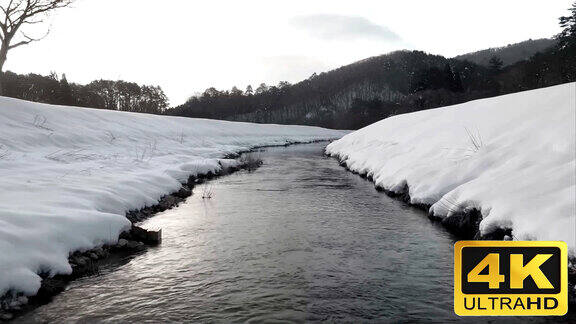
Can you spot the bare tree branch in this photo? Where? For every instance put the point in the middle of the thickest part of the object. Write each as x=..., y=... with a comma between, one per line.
x=18, y=13
x=28, y=40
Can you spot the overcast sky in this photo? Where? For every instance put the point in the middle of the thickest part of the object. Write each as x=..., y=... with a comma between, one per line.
x=186, y=46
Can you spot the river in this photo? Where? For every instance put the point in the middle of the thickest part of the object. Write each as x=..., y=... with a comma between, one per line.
x=299, y=239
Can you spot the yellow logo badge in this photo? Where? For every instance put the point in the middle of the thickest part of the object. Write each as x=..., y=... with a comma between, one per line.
x=510, y=278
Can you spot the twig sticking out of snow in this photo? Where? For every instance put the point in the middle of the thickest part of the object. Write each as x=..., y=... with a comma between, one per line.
x=146, y=153
x=475, y=139
x=77, y=155
x=111, y=137
x=40, y=121
x=70, y=156
x=181, y=137
x=4, y=152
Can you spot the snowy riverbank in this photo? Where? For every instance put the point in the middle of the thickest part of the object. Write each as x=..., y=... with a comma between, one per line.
x=69, y=175
x=510, y=157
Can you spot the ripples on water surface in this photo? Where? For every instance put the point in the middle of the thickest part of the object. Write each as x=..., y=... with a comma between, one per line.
x=300, y=239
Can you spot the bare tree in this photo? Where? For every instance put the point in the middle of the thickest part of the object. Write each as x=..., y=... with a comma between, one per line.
x=18, y=13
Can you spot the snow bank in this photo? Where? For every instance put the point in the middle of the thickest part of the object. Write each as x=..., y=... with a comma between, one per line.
x=68, y=175
x=511, y=157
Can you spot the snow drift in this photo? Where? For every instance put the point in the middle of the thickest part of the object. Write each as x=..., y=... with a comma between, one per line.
x=510, y=157
x=68, y=175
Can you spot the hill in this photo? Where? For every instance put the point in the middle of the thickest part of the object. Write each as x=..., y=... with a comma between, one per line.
x=361, y=93
x=511, y=53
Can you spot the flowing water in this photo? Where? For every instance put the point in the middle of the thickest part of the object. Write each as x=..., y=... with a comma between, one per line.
x=299, y=239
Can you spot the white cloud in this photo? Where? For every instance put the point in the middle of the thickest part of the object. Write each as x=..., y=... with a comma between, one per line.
x=338, y=27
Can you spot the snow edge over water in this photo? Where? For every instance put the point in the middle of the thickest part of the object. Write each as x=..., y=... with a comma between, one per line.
x=69, y=175
x=510, y=157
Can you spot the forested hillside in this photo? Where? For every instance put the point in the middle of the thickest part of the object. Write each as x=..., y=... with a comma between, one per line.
x=509, y=54
x=358, y=94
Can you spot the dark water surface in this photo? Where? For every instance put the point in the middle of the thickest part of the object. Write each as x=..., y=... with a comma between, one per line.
x=300, y=239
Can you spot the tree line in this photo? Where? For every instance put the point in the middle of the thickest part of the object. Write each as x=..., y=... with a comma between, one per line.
x=103, y=94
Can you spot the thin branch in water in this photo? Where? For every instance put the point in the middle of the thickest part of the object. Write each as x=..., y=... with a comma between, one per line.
x=208, y=190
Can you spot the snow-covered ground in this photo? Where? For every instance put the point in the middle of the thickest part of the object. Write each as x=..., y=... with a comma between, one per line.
x=512, y=157
x=68, y=175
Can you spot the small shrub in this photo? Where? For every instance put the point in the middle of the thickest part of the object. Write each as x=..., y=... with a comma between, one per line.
x=250, y=161
x=145, y=153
